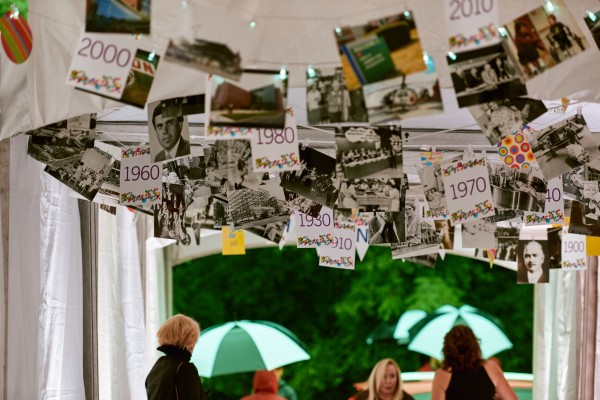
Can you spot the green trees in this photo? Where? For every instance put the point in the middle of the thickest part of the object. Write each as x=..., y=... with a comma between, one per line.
x=334, y=311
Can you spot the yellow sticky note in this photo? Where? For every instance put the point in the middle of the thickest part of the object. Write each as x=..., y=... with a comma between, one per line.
x=592, y=245
x=233, y=241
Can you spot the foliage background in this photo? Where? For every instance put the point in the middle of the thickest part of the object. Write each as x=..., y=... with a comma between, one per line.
x=21, y=4
x=334, y=311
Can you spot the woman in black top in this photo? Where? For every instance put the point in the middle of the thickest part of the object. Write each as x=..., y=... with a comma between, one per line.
x=173, y=377
x=464, y=375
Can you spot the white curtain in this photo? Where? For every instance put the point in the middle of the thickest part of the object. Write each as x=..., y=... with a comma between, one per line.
x=122, y=355
x=45, y=338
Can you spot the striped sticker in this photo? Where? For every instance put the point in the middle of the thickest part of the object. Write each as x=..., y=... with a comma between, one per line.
x=16, y=37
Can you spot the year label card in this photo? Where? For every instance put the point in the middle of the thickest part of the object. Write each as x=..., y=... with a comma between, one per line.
x=316, y=231
x=471, y=23
x=341, y=253
x=554, y=208
x=101, y=63
x=140, y=181
x=276, y=150
x=573, y=251
x=468, y=192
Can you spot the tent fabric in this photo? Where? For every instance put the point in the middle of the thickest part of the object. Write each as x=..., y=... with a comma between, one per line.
x=122, y=355
x=30, y=90
x=156, y=293
x=45, y=303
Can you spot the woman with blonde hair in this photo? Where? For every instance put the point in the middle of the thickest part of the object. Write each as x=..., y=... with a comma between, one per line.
x=385, y=383
x=173, y=377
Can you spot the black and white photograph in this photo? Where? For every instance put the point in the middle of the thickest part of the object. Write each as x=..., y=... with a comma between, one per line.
x=210, y=57
x=484, y=75
x=371, y=194
x=577, y=223
x=192, y=229
x=257, y=100
x=191, y=173
x=169, y=217
x=416, y=95
x=84, y=175
x=203, y=215
x=303, y=204
x=254, y=208
x=425, y=242
x=555, y=247
x=387, y=227
x=533, y=261
x=544, y=37
x=503, y=117
x=328, y=100
x=316, y=178
x=592, y=21
x=168, y=131
x=368, y=152
x=118, y=16
x=427, y=260
x=109, y=188
x=272, y=231
x=573, y=183
x=445, y=233
x=516, y=189
x=563, y=146
x=507, y=241
x=478, y=234
x=433, y=187
x=229, y=165
x=591, y=202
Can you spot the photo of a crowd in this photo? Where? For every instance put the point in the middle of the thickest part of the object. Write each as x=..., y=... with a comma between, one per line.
x=169, y=217
x=371, y=194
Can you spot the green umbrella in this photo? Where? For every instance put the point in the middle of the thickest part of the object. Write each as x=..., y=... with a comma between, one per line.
x=245, y=346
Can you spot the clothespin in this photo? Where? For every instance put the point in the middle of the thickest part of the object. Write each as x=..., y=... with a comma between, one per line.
x=305, y=143
x=232, y=227
x=14, y=11
x=290, y=111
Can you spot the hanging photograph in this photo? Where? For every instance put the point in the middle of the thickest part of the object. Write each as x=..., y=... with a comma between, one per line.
x=445, y=233
x=169, y=217
x=433, y=188
x=563, y=146
x=229, y=165
x=387, y=227
x=254, y=208
x=56, y=143
x=83, y=174
x=421, y=235
x=533, y=261
x=168, y=131
x=507, y=241
x=272, y=231
x=515, y=151
x=476, y=81
x=416, y=95
x=191, y=173
x=479, y=234
x=555, y=246
x=368, y=152
x=300, y=203
x=544, y=37
x=118, y=16
x=592, y=20
x=500, y=118
x=204, y=55
x=371, y=194
x=591, y=202
x=257, y=100
x=518, y=189
x=315, y=180
x=573, y=183
x=140, y=78
x=328, y=100
x=380, y=49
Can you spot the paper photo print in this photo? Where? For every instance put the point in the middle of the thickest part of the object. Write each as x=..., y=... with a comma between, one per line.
x=591, y=202
x=229, y=165
x=380, y=49
x=169, y=217
x=204, y=55
x=168, y=131
x=273, y=231
x=416, y=95
x=371, y=194
x=254, y=208
x=55, y=143
x=328, y=100
x=484, y=75
x=479, y=234
x=421, y=235
x=533, y=261
x=518, y=189
x=118, y=16
x=387, y=227
x=507, y=242
x=257, y=100
x=544, y=37
x=368, y=152
x=592, y=20
x=433, y=188
x=303, y=204
x=500, y=118
x=191, y=173
x=573, y=183
x=140, y=79
x=563, y=146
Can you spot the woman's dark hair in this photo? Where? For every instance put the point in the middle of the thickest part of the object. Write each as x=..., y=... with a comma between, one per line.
x=461, y=349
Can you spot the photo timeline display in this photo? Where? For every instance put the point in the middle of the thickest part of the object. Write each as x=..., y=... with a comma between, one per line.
x=206, y=56
x=516, y=189
x=116, y=16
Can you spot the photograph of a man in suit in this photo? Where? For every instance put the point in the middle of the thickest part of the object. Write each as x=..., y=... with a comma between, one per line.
x=387, y=227
x=169, y=127
x=533, y=263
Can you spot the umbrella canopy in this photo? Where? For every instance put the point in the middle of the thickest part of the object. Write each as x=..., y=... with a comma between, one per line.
x=245, y=346
x=428, y=334
x=406, y=321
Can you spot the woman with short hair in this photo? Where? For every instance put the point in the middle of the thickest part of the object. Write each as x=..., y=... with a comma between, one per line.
x=385, y=383
x=173, y=377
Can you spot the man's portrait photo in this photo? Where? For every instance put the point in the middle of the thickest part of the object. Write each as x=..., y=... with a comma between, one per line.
x=533, y=261
x=168, y=130
x=387, y=227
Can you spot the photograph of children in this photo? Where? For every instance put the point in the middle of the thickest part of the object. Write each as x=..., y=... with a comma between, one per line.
x=500, y=118
x=168, y=131
x=543, y=38
x=371, y=194
x=433, y=187
x=254, y=208
x=210, y=57
x=316, y=179
x=415, y=95
x=118, y=16
x=368, y=152
x=169, y=217
x=507, y=241
x=300, y=203
x=380, y=49
x=479, y=234
x=257, y=100
x=484, y=75
x=533, y=261
x=84, y=175
x=563, y=146
x=229, y=165
x=592, y=20
x=328, y=100
x=445, y=233
x=591, y=202
x=140, y=78
x=387, y=227
x=272, y=231
x=515, y=189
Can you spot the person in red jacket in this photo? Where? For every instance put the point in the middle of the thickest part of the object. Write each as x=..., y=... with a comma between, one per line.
x=265, y=387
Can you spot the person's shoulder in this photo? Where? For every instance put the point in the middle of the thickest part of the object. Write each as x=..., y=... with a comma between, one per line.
x=493, y=370
x=364, y=395
x=406, y=396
